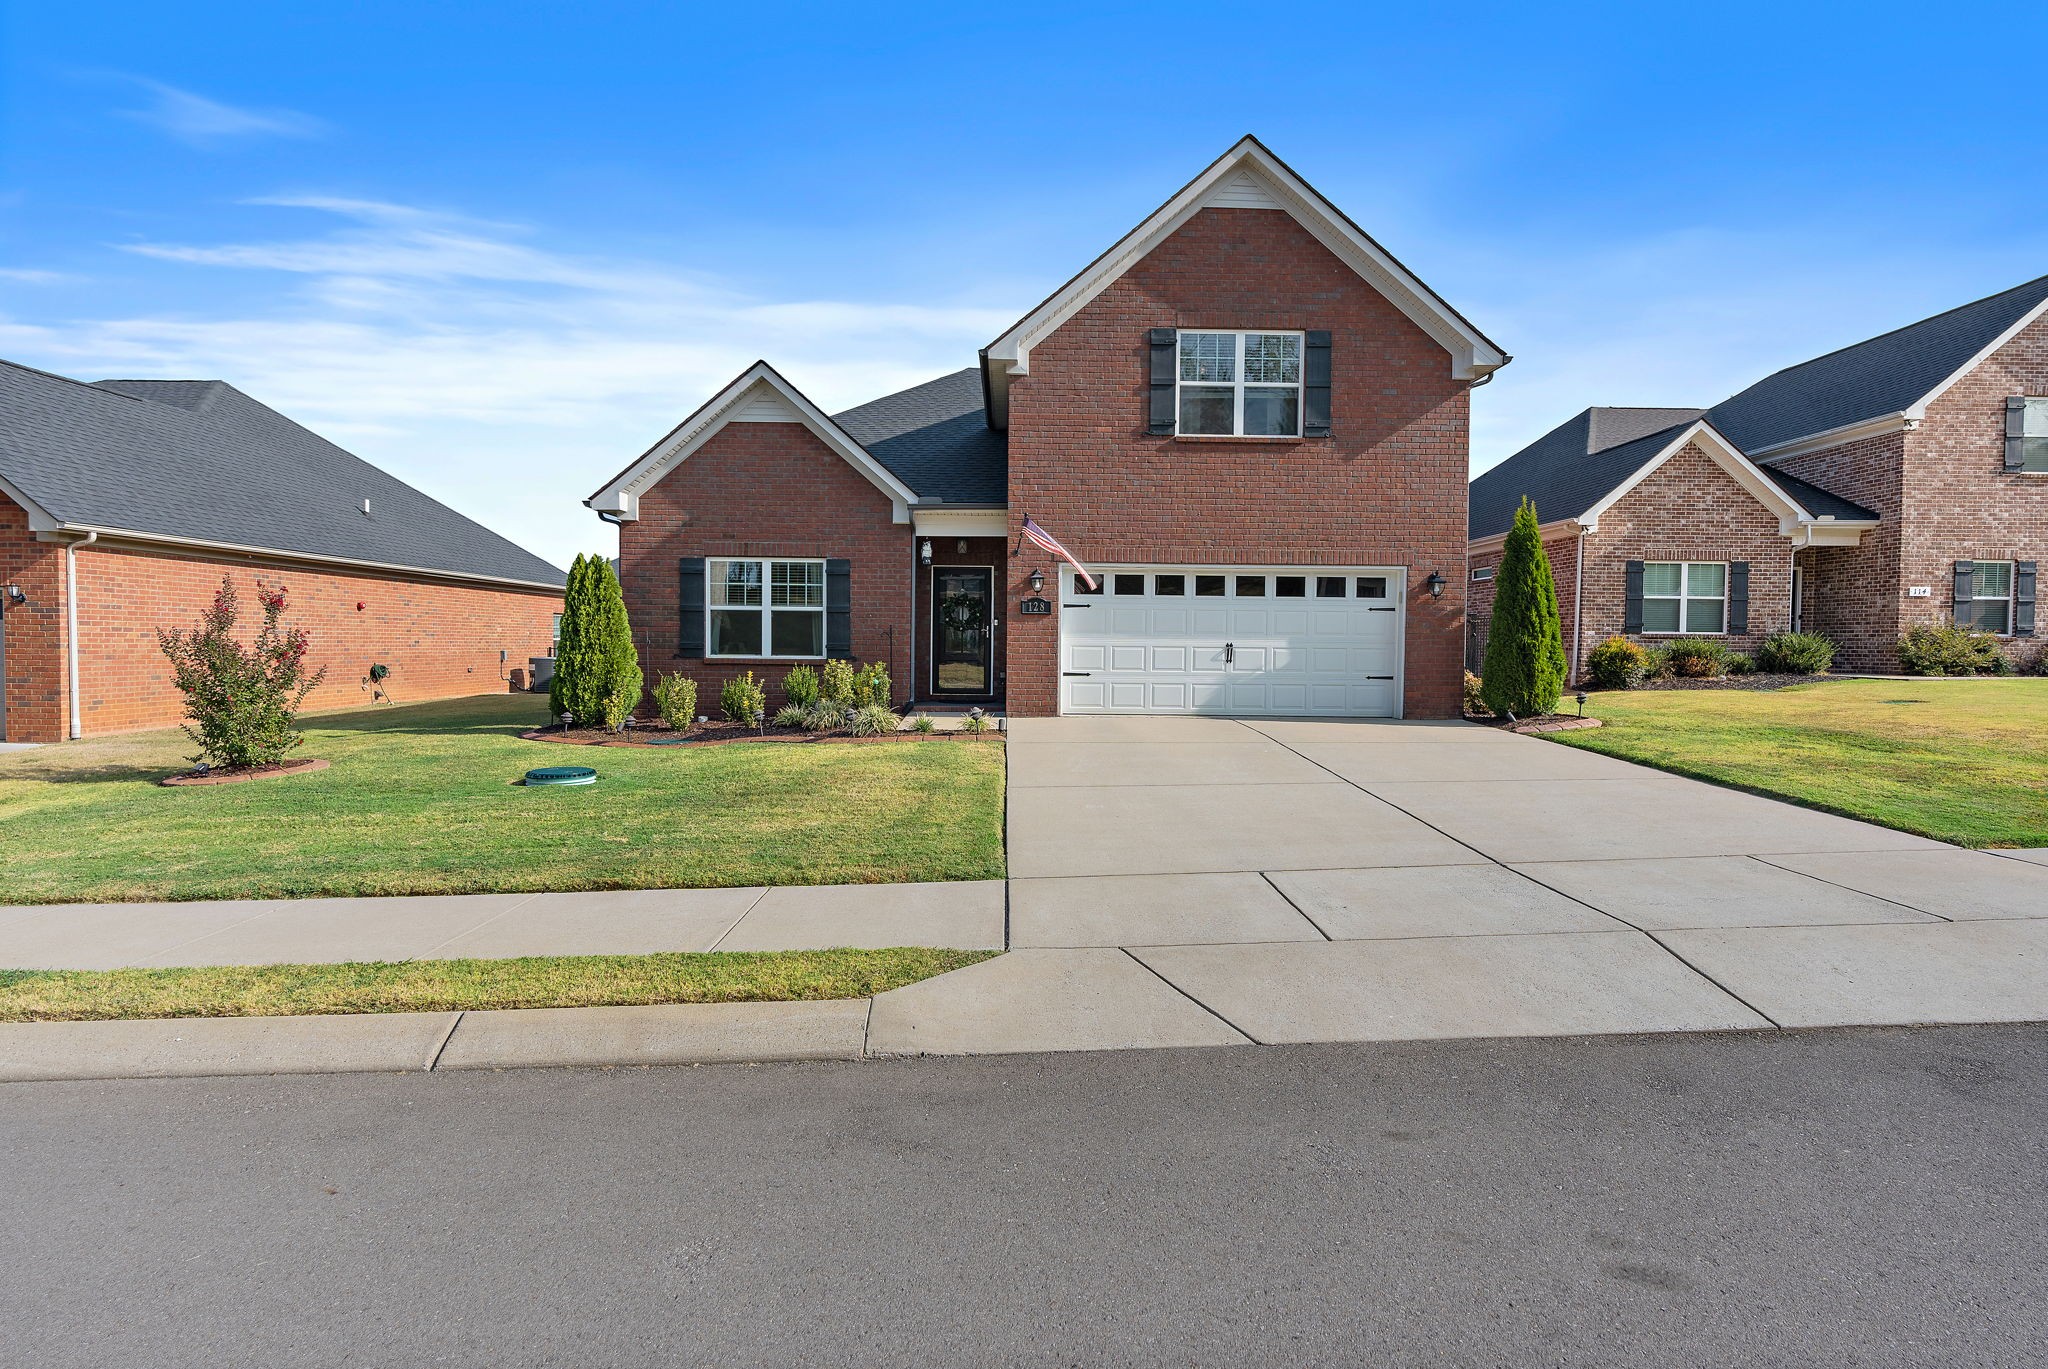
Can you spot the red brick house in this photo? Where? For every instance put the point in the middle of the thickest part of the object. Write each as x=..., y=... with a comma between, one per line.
x=1246, y=418
x=1900, y=481
x=123, y=502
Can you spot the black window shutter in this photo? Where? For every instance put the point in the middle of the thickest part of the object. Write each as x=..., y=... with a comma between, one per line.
x=839, y=609
x=2015, y=432
x=1315, y=387
x=2023, y=599
x=1165, y=348
x=690, y=625
x=1632, y=612
x=1738, y=596
x=1966, y=580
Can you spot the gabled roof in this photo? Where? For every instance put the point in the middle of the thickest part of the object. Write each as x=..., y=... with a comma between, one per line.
x=198, y=462
x=1571, y=476
x=1247, y=176
x=936, y=439
x=758, y=394
x=1887, y=380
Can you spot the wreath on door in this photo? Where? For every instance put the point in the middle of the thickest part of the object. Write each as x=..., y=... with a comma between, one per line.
x=962, y=612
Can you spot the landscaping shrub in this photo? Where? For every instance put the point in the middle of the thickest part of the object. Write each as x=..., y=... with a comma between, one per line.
x=873, y=720
x=742, y=698
x=597, y=668
x=242, y=700
x=923, y=723
x=976, y=722
x=1475, y=704
x=800, y=686
x=1739, y=663
x=1949, y=650
x=1696, y=658
x=824, y=715
x=870, y=686
x=1525, y=664
x=1618, y=663
x=1658, y=658
x=792, y=715
x=1796, y=653
x=675, y=699
x=835, y=684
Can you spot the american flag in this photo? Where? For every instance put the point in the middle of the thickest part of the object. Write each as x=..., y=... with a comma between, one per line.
x=1040, y=537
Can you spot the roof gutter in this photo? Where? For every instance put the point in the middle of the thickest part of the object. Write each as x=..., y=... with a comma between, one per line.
x=71, y=627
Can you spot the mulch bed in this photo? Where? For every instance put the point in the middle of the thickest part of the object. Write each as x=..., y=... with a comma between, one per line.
x=721, y=732
x=196, y=779
x=1527, y=725
x=1753, y=681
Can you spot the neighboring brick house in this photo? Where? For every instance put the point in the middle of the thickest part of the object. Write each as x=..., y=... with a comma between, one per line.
x=1900, y=481
x=1245, y=418
x=123, y=502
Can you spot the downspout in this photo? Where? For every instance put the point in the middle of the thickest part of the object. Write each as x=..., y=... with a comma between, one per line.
x=71, y=626
x=1578, y=604
x=910, y=699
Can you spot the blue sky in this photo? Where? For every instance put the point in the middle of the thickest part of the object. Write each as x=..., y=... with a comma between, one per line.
x=500, y=249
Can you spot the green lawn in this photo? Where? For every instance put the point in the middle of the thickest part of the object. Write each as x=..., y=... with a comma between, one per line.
x=1959, y=760
x=454, y=985
x=423, y=799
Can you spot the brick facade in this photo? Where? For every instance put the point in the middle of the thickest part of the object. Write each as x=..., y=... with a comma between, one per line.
x=1387, y=488
x=439, y=639
x=765, y=489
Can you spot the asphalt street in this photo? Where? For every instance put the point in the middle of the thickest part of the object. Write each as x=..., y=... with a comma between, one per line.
x=1827, y=1198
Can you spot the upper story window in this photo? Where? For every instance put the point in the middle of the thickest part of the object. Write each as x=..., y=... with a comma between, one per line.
x=1685, y=596
x=1240, y=384
x=2026, y=433
x=766, y=608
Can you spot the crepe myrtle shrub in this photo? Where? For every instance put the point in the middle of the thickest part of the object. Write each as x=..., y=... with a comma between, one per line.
x=1696, y=658
x=1618, y=663
x=742, y=698
x=835, y=683
x=1525, y=666
x=800, y=686
x=1796, y=653
x=675, y=699
x=1944, y=649
x=242, y=700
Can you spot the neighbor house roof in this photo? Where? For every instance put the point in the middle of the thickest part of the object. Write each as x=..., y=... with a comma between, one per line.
x=1890, y=378
x=936, y=438
x=1576, y=469
x=199, y=462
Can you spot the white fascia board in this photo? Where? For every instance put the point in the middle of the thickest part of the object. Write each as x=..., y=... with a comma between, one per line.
x=1724, y=454
x=1548, y=532
x=621, y=497
x=935, y=520
x=40, y=519
x=1473, y=355
x=1835, y=437
x=119, y=537
x=1919, y=410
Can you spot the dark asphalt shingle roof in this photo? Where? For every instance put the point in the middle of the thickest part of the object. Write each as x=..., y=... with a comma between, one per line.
x=1883, y=375
x=935, y=438
x=199, y=459
x=1568, y=470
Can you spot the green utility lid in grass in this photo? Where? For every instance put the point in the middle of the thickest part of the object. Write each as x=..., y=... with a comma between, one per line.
x=562, y=774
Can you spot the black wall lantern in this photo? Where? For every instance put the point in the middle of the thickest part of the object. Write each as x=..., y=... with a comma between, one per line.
x=15, y=598
x=1037, y=581
x=1436, y=585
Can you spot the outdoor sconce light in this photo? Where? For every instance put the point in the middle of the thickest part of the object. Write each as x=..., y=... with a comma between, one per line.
x=1037, y=581
x=1581, y=697
x=925, y=554
x=961, y=546
x=15, y=596
x=1436, y=585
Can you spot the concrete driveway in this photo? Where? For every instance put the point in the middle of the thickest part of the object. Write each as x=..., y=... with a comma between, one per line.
x=1190, y=881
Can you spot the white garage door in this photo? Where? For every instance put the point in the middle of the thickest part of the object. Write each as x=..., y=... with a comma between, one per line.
x=1236, y=640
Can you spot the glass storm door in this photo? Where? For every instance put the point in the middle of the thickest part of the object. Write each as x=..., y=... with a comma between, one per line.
x=963, y=630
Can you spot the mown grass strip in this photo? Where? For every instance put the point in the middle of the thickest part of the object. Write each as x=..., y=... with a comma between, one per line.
x=454, y=985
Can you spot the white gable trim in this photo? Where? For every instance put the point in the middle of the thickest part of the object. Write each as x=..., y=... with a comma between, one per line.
x=1919, y=410
x=1243, y=177
x=758, y=395
x=1793, y=518
x=40, y=519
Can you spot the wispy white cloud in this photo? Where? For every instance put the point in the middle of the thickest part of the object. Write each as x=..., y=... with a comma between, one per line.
x=504, y=377
x=22, y=275
x=201, y=122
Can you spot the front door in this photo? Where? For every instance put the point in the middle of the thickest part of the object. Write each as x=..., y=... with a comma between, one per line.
x=963, y=630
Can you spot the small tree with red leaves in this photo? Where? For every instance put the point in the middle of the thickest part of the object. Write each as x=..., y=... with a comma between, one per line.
x=242, y=700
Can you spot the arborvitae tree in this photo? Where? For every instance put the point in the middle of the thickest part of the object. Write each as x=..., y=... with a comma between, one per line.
x=570, y=691
x=617, y=660
x=1525, y=662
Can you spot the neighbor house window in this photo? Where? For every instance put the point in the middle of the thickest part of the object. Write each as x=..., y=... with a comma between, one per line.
x=1685, y=596
x=2027, y=449
x=1240, y=384
x=766, y=608
x=1990, y=605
